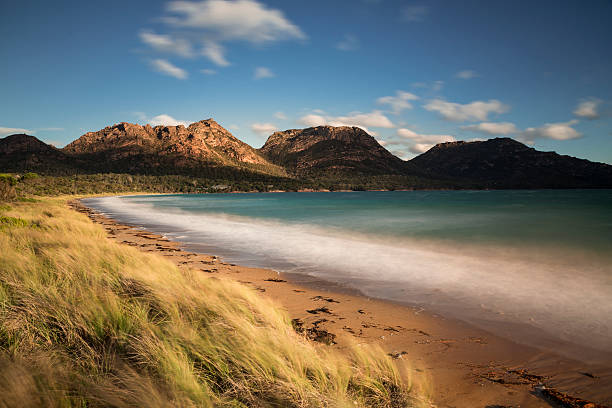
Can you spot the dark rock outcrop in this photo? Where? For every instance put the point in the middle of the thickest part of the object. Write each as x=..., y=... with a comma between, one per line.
x=21, y=152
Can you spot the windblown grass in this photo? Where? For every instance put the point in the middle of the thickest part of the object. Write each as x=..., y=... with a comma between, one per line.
x=88, y=322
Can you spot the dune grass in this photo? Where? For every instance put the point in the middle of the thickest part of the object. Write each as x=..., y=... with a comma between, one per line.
x=86, y=322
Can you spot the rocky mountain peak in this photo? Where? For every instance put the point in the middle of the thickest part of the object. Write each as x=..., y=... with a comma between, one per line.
x=203, y=142
x=336, y=149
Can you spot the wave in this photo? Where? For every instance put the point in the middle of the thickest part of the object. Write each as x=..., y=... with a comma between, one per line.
x=555, y=298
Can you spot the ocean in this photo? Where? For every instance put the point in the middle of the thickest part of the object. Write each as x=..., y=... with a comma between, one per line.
x=532, y=266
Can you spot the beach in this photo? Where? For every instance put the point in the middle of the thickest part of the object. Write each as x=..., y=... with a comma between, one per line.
x=458, y=364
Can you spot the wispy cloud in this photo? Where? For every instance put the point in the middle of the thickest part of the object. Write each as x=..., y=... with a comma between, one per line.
x=263, y=72
x=167, y=43
x=414, y=13
x=264, y=129
x=209, y=24
x=215, y=53
x=434, y=86
x=208, y=71
x=466, y=74
x=477, y=110
x=554, y=131
x=588, y=109
x=348, y=43
x=399, y=102
x=493, y=128
x=357, y=119
x=167, y=120
x=420, y=143
x=167, y=68
x=280, y=115
x=5, y=131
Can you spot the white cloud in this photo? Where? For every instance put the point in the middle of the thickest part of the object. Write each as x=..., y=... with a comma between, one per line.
x=167, y=43
x=215, y=53
x=167, y=120
x=357, y=119
x=348, y=43
x=264, y=129
x=493, y=128
x=5, y=131
x=414, y=13
x=280, y=115
x=246, y=20
x=466, y=74
x=208, y=71
x=263, y=72
x=399, y=102
x=165, y=67
x=477, y=110
x=588, y=109
x=421, y=142
x=312, y=120
x=215, y=22
x=373, y=119
x=555, y=131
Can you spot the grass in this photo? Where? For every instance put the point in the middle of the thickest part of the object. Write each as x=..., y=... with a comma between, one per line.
x=86, y=322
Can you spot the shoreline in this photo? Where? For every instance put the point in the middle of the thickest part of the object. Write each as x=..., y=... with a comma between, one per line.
x=463, y=366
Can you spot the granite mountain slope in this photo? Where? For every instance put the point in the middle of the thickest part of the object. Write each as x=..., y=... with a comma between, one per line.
x=329, y=150
x=128, y=147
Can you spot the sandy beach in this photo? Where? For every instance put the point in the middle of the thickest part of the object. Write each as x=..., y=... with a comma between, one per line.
x=459, y=365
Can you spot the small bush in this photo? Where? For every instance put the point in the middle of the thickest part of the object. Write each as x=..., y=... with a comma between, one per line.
x=13, y=222
x=7, y=191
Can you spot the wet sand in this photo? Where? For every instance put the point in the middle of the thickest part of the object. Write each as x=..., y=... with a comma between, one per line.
x=459, y=365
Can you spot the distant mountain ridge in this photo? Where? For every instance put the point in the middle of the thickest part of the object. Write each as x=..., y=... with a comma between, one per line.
x=21, y=152
x=348, y=155
x=329, y=149
x=506, y=163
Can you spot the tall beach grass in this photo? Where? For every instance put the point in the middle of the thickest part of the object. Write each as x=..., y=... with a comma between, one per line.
x=86, y=322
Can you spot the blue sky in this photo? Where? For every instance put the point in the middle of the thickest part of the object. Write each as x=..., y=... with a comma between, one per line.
x=411, y=73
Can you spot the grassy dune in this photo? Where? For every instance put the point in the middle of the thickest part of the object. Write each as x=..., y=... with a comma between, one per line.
x=87, y=322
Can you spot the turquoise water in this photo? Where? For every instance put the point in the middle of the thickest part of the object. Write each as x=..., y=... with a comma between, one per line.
x=539, y=260
x=579, y=219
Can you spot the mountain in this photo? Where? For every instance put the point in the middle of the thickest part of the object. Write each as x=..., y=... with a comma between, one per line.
x=330, y=157
x=327, y=150
x=506, y=163
x=21, y=152
x=132, y=148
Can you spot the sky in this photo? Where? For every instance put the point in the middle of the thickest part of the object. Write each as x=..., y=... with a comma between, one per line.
x=412, y=74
